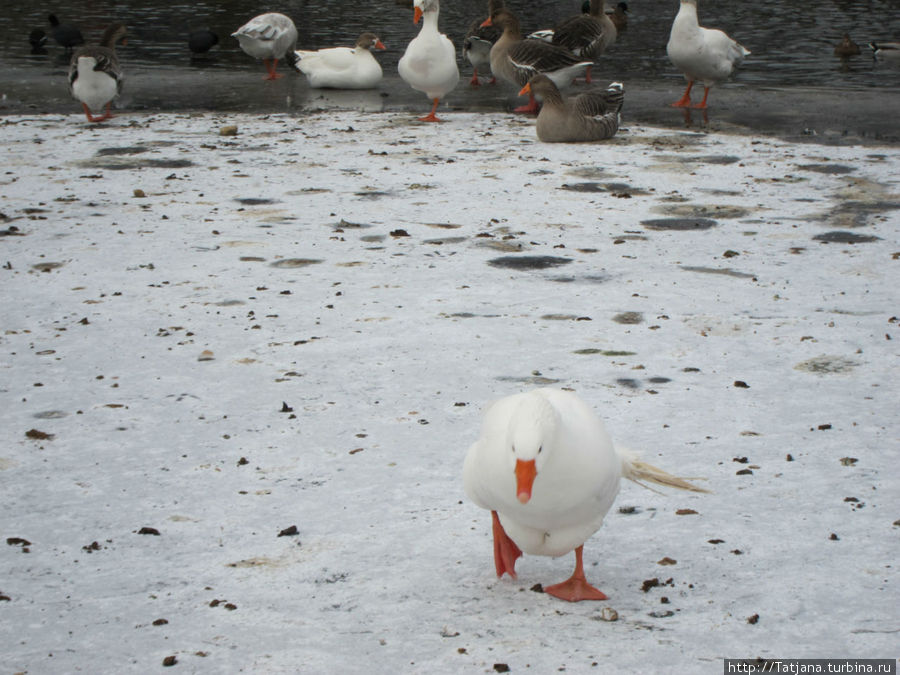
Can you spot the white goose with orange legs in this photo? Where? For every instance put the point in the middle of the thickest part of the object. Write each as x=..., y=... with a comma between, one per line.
x=548, y=472
x=429, y=63
x=704, y=55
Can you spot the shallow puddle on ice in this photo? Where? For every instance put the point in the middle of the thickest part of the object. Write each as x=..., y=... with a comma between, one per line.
x=528, y=262
x=679, y=224
x=839, y=237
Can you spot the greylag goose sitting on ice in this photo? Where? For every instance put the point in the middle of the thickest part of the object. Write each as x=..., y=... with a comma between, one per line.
x=429, y=62
x=548, y=472
x=268, y=37
x=342, y=67
x=95, y=77
x=591, y=116
x=702, y=54
x=478, y=42
x=517, y=60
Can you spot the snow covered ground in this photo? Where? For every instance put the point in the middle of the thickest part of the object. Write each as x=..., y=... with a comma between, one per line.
x=207, y=340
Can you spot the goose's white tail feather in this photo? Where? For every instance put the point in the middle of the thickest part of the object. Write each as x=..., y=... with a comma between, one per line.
x=639, y=471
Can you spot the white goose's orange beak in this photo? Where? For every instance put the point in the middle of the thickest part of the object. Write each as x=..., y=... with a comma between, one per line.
x=379, y=45
x=486, y=22
x=417, y=15
x=525, y=90
x=525, y=475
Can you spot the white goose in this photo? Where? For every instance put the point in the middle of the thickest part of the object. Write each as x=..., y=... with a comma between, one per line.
x=429, y=63
x=268, y=37
x=547, y=470
x=342, y=67
x=95, y=77
x=702, y=54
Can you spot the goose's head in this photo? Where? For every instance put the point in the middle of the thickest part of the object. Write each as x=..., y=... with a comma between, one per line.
x=530, y=436
x=422, y=6
x=369, y=41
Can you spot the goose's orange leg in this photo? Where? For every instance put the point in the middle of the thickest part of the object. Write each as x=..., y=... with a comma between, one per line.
x=271, y=66
x=532, y=108
x=576, y=588
x=431, y=117
x=702, y=104
x=685, y=100
x=90, y=115
x=505, y=550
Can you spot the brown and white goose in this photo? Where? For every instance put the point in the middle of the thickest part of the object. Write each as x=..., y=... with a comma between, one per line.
x=95, y=77
x=591, y=116
x=478, y=42
x=268, y=37
x=517, y=60
x=587, y=35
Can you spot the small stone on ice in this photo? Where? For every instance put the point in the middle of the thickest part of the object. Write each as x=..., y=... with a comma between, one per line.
x=229, y=130
x=206, y=355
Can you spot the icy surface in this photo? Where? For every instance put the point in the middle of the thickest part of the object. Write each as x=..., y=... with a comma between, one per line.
x=219, y=337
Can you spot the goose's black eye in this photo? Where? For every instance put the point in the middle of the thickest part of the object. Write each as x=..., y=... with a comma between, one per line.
x=540, y=449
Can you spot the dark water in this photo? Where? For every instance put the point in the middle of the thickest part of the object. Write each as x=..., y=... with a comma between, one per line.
x=791, y=45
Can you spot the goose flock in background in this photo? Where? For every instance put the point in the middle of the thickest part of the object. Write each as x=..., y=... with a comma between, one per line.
x=543, y=465
x=493, y=45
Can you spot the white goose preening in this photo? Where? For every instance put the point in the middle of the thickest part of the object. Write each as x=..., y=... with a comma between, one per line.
x=95, y=77
x=548, y=472
x=587, y=35
x=591, y=116
x=478, y=42
x=517, y=60
x=429, y=62
x=702, y=54
x=342, y=67
x=268, y=37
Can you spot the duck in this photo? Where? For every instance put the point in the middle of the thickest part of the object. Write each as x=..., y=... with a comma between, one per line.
x=37, y=39
x=548, y=471
x=268, y=37
x=342, y=67
x=202, y=40
x=429, y=62
x=517, y=60
x=619, y=16
x=478, y=42
x=95, y=77
x=704, y=54
x=846, y=47
x=885, y=50
x=590, y=116
x=65, y=35
x=587, y=35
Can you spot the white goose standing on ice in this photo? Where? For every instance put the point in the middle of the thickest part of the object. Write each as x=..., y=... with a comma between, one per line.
x=548, y=472
x=706, y=55
x=429, y=63
x=268, y=37
x=95, y=77
x=342, y=67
